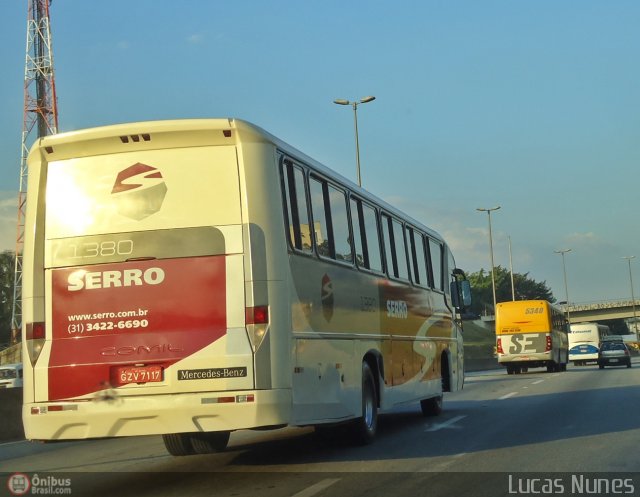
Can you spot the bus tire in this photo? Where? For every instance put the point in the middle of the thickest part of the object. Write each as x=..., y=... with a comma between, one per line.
x=432, y=406
x=366, y=426
x=209, y=442
x=178, y=444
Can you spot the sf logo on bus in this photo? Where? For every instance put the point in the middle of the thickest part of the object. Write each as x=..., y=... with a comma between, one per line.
x=326, y=295
x=528, y=343
x=139, y=191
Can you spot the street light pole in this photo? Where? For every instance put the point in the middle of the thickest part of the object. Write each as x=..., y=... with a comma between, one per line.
x=493, y=277
x=513, y=288
x=633, y=298
x=354, y=105
x=566, y=288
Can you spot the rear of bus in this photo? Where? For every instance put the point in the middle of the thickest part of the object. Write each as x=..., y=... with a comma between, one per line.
x=140, y=307
x=525, y=336
x=584, y=342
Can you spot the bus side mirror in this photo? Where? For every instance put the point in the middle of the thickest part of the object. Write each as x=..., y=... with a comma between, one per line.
x=461, y=294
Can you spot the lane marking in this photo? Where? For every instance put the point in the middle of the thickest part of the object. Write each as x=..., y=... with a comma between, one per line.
x=537, y=382
x=508, y=395
x=317, y=487
x=447, y=424
x=12, y=443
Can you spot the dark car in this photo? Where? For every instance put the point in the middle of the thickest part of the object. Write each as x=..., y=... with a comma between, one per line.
x=614, y=353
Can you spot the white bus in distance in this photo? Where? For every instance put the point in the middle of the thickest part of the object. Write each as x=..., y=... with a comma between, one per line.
x=11, y=375
x=584, y=342
x=191, y=278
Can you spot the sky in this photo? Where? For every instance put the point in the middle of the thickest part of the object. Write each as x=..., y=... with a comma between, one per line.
x=527, y=105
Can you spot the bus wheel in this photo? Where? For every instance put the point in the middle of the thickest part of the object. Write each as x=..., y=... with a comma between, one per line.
x=178, y=444
x=432, y=406
x=206, y=443
x=366, y=426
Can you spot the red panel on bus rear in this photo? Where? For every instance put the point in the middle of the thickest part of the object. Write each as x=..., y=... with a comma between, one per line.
x=139, y=312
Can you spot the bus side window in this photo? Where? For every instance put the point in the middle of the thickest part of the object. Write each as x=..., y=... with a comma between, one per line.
x=395, y=247
x=340, y=225
x=388, y=253
x=401, y=250
x=366, y=237
x=296, y=206
x=418, y=257
x=359, y=234
x=373, y=237
x=319, y=212
x=451, y=265
x=330, y=221
x=435, y=251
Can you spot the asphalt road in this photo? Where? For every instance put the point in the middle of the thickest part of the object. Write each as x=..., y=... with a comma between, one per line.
x=502, y=435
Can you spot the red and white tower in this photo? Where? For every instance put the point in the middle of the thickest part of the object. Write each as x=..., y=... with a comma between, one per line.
x=40, y=119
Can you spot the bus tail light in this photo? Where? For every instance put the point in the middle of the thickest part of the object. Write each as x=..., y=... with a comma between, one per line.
x=548, y=347
x=257, y=324
x=499, y=348
x=35, y=340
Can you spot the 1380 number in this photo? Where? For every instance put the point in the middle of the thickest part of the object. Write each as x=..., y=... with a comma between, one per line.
x=100, y=249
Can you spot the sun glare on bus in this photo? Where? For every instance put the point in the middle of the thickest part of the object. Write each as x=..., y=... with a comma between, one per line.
x=69, y=209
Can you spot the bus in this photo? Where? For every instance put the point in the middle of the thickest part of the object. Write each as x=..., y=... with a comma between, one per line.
x=11, y=375
x=584, y=342
x=191, y=278
x=531, y=334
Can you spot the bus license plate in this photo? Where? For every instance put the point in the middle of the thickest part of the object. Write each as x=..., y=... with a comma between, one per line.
x=138, y=374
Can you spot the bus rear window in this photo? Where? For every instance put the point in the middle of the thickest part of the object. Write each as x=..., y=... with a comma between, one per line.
x=142, y=190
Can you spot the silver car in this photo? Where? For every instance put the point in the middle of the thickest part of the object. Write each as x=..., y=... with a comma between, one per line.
x=614, y=353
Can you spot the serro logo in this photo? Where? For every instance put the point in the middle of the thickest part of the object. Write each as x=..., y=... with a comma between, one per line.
x=139, y=191
x=90, y=280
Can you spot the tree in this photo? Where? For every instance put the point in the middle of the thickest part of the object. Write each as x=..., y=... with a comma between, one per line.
x=525, y=289
x=7, y=275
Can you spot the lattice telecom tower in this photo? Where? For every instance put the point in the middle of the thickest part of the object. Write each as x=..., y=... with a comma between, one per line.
x=40, y=119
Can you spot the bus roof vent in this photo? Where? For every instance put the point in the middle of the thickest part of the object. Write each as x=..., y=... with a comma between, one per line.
x=136, y=138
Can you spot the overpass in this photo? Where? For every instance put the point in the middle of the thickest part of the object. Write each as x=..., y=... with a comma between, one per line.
x=601, y=311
